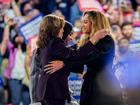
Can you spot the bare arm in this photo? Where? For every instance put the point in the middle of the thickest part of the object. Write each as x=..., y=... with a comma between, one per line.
x=6, y=35
x=16, y=8
x=27, y=62
x=121, y=17
x=5, y=39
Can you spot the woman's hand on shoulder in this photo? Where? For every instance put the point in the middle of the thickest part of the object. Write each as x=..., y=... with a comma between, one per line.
x=99, y=35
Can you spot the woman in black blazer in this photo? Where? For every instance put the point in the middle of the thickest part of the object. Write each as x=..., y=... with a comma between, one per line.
x=53, y=89
x=100, y=86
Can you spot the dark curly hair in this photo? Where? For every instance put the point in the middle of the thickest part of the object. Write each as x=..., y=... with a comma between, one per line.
x=49, y=29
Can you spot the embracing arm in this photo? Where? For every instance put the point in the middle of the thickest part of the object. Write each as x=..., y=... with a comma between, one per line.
x=60, y=51
x=70, y=62
x=56, y=65
x=105, y=45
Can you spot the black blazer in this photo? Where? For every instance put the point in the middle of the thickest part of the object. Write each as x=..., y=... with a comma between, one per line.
x=100, y=86
x=55, y=86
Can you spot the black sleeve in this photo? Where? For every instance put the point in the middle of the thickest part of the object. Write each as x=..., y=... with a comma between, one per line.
x=60, y=51
x=106, y=45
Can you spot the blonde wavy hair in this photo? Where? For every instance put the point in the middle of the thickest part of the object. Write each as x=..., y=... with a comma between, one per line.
x=98, y=21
